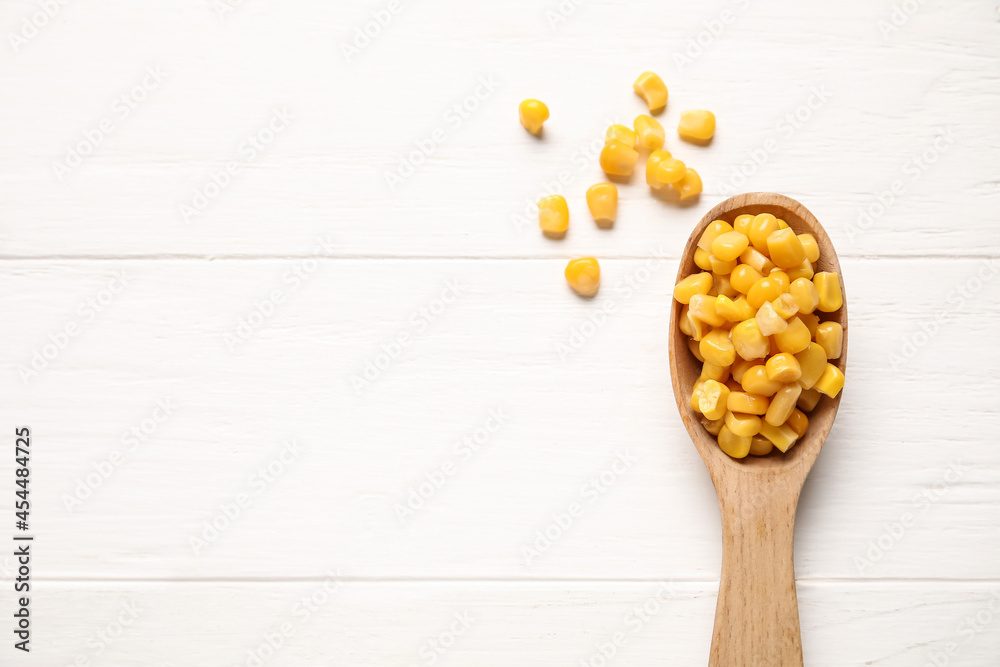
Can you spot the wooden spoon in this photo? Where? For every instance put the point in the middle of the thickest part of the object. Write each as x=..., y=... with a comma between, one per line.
x=757, y=616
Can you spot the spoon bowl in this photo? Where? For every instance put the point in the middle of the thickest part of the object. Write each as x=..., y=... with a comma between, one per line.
x=756, y=620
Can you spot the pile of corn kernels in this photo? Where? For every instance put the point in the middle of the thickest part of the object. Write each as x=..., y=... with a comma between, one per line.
x=751, y=318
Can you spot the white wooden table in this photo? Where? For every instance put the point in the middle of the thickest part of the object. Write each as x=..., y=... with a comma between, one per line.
x=262, y=273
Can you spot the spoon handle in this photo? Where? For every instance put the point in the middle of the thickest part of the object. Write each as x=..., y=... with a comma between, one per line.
x=757, y=617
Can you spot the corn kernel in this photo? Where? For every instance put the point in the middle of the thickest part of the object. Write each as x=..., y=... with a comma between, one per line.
x=696, y=395
x=831, y=382
x=717, y=349
x=723, y=287
x=785, y=305
x=828, y=285
x=799, y=422
x=739, y=368
x=729, y=309
x=831, y=336
x=736, y=446
x=810, y=245
x=553, y=215
x=785, y=249
x=743, y=277
x=782, y=437
x=701, y=261
x=761, y=227
x=811, y=321
x=651, y=88
x=748, y=340
x=808, y=399
x=805, y=294
x=795, y=338
x=584, y=275
x=670, y=170
x=782, y=224
x=780, y=278
x=697, y=126
x=782, y=404
x=649, y=132
x=812, y=362
x=713, y=426
x=714, y=229
x=733, y=384
x=622, y=134
x=764, y=290
x=689, y=186
x=602, y=200
x=755, y=381
x=691, y=325
x=757, y=260
x=721, y=266
x=696, y=283
x=693, y=346
x=769, y=321
x=742, y=223
x=652, y=162
x=533, y=113
x=751, y=404
x=741, y=424
x=702, y=307
x=783, y=367
x=713, y=372
x=760, y=446
x=803, y=270
x=618, y=159
x=730, y=245
x=773, y=349
x=712, y=399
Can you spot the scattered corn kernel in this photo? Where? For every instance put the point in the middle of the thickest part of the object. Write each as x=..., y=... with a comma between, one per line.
x=782, y=437
x=602, y=200
x=584, y=275
x=697, y=126
x=737, y=446
x=622, y=134
x=748, y=340
x=782, y=404
x=649, y=131
x=696, y=283
x=828, y=285
x=783, y=367
x=769, y=321
x=650, y=87
x=716, y=348
x=812, y=362
x=751, y=404
x=755, y=381
x=831, y=336
x=741, y=424
x=831, y=382
x=553, y=215
x=670, y=170
x=713, y=399
x=730, y=245
x=652, y=162
x=760, y=446
x=533, y=113
x=689, y=186
x=618, y=159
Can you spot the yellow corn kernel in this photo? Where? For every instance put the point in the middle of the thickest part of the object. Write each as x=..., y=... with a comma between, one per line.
x=533, y=113
x=722, y=285
x=785, y=305
x=702, y=307
x=693, y=346
x=783, y=367
x=757, y=260
x=714, y=229
x=768, y=321
x=651, y=88
x=696, y=283
x=739, y=368
x=795, y=338
x=684, y=324
x=773, y=347
x=689, y=186
x=764, y=290
x=761, y=227
x=696, y=395
x=717, y=349
x=799, y=422
x=736, y=446
x=741, y=424
x=652, y=162
x=602, y=200
x=697, y=126
x=748, y=340
x=713, y=426
x=782, y=404
x=670, y=170
x=810, y=245
x=691, y=325
x=812, y=362
x=811, y=320
x=721, y=266
x=701, y=261
x=742, y=223
x=743, y=277
x=831, y=382
x=755, y=381
x=760, y=446
x=618, y=159
x=553, y=215
x=828, y=285
x=649, y=132
x=728, y=309
x=803, y=270
x=713, y=398
x=733, y=384
x=782, y=224
x=808, y=399
x=584, y=275
x=785, y=249
x=831, y=336
x=713, y=372
x=782, y=437
x=730, y=245
x=805, y=294
x=622, y=134
x=781, y=278
x=751, y=404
